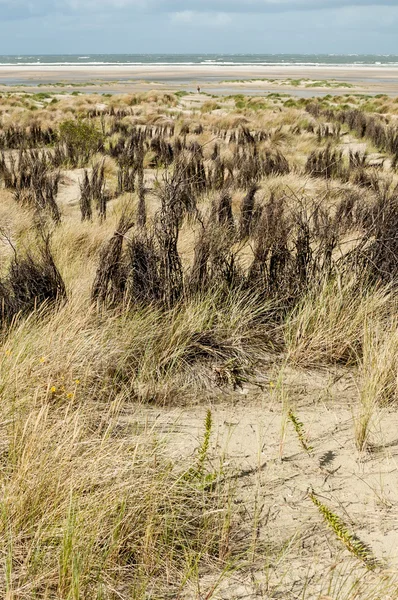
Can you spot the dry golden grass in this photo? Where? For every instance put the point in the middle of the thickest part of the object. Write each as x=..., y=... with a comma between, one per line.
x=329, y=325
x=93, y=511
x=93, y=503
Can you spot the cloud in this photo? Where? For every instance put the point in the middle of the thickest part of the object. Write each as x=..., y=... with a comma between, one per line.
x=20, y=9
x=223, y=6
x=25, y=8
x=209, y=19
x=247, y=6
x=198, y=26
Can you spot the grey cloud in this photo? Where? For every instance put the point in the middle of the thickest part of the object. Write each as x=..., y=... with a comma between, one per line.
x=227, y=6
x=10, y=9
x=247, y=6
x=160, y=26
x=22, y=9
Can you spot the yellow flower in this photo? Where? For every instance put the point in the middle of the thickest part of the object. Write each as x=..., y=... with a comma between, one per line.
x=53, y=389
x=70, y=395
x=43, y=359
x=77, y=381
x=8, y=352
x=271, y=384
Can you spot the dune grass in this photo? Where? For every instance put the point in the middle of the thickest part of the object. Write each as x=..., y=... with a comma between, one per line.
x=196, y=252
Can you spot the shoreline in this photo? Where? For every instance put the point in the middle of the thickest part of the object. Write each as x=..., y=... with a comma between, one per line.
x=38, y=68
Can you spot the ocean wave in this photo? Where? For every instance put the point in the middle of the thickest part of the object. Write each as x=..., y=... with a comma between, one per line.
x=248, y=61
x=81, y=65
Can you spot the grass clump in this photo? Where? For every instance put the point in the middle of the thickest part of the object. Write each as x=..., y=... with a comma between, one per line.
x=32, y=280
x=118, y=527
x=181, y=93
x=79, y=141
x=328, y=325
x=377, y=377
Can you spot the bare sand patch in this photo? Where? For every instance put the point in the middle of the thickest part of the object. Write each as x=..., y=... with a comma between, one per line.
x=272, y=475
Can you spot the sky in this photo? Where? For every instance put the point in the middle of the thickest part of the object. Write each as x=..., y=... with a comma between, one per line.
x=198, y=26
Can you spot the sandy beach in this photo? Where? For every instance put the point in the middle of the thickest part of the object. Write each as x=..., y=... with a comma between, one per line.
x=214, y=78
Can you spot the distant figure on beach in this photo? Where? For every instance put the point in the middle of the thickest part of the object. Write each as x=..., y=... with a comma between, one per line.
x=198, y=89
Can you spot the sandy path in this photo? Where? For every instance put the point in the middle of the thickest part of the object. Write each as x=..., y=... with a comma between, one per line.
x=69, y=189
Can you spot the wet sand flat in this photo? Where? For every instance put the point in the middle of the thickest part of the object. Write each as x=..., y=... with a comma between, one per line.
x=133, y=77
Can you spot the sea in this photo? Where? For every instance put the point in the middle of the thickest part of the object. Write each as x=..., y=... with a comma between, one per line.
x=67, y=60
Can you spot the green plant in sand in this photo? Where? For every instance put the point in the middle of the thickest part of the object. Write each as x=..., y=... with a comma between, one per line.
x=299, y=428
x=350, y=540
